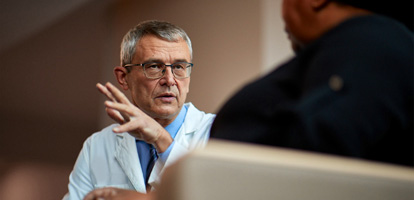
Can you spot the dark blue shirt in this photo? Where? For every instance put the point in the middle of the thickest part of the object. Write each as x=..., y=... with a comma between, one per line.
x=143, y=148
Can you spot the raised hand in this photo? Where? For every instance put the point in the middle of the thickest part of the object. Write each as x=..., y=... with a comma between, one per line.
x=132, y=119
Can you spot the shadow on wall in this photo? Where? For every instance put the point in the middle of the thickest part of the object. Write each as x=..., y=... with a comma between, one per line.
x=24, y=181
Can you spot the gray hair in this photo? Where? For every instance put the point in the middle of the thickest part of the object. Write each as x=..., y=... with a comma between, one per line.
x=161, y=29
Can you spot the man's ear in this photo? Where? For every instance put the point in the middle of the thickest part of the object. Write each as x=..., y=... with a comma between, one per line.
x=120, y=74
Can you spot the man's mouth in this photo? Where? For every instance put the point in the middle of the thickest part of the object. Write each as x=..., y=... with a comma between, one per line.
x=166, y=97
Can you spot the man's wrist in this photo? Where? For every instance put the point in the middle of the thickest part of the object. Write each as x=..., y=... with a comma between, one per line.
x=163, y=142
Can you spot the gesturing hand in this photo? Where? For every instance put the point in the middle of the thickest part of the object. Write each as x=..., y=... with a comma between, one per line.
x=117, y=194
x=132, y=119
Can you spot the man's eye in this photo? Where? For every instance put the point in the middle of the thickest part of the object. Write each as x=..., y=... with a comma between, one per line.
x=153, y=66
x=179, y=66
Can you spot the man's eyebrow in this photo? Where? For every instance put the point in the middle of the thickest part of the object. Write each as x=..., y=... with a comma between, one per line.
x=153, y=60
x=181, y=60
x=160, y=61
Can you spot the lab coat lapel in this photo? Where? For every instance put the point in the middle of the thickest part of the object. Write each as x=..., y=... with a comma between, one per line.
x=183, y=136
x=127, y=157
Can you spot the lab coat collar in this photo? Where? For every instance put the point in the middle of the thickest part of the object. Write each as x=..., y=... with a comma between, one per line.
x=193, y=114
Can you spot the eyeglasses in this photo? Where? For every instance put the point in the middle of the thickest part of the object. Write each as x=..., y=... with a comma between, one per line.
x=156, y=70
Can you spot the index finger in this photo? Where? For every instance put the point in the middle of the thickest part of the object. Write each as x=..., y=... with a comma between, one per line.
x=106, y=92
x=117, y=94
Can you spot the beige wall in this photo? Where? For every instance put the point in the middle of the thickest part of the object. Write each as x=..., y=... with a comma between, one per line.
x=49, y=104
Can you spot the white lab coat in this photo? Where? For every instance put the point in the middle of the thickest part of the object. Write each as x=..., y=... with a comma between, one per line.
x=108, y=159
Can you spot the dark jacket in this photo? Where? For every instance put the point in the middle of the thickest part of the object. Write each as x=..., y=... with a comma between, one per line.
x=348, y=93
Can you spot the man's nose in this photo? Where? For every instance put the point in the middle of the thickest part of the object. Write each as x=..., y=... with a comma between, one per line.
x=168, y=77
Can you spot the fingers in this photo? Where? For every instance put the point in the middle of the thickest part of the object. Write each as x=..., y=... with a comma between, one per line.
x=117, y=94
x=129, y=113
x=102, y=193
x=131, y=118
x=123, y=108
x=105, y=91
x=115, y=115
x=124, y=111
x=136, y=123
x=131, y=127
x=144, y=129
x=114, y=95
x=117, y=194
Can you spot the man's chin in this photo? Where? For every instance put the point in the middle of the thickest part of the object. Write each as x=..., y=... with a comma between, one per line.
x=167, y=111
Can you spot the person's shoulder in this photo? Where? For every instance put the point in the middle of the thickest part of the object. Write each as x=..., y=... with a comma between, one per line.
x=375, y=29
x=104, y=135
x=194, y=110
x=196, y=115
x=106, y=139
x=368, y=41
x=197, y=124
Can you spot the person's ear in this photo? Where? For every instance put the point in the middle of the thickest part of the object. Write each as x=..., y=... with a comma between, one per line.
x=120, y=74
x=319, y=4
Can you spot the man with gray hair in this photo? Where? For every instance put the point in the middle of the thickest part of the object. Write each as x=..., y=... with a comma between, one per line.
x=156, y=127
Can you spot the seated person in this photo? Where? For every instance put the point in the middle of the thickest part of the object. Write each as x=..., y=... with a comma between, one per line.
x=348, y=91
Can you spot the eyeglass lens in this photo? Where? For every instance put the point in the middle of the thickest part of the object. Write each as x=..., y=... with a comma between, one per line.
x=157, y=70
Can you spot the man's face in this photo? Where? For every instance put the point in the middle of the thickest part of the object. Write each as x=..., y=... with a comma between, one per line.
x=295, y=14
x=161, y=99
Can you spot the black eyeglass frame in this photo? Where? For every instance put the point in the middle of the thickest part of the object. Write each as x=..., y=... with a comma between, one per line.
x=164, y=66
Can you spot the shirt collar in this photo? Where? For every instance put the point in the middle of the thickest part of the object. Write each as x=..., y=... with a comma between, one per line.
x=176, y=124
